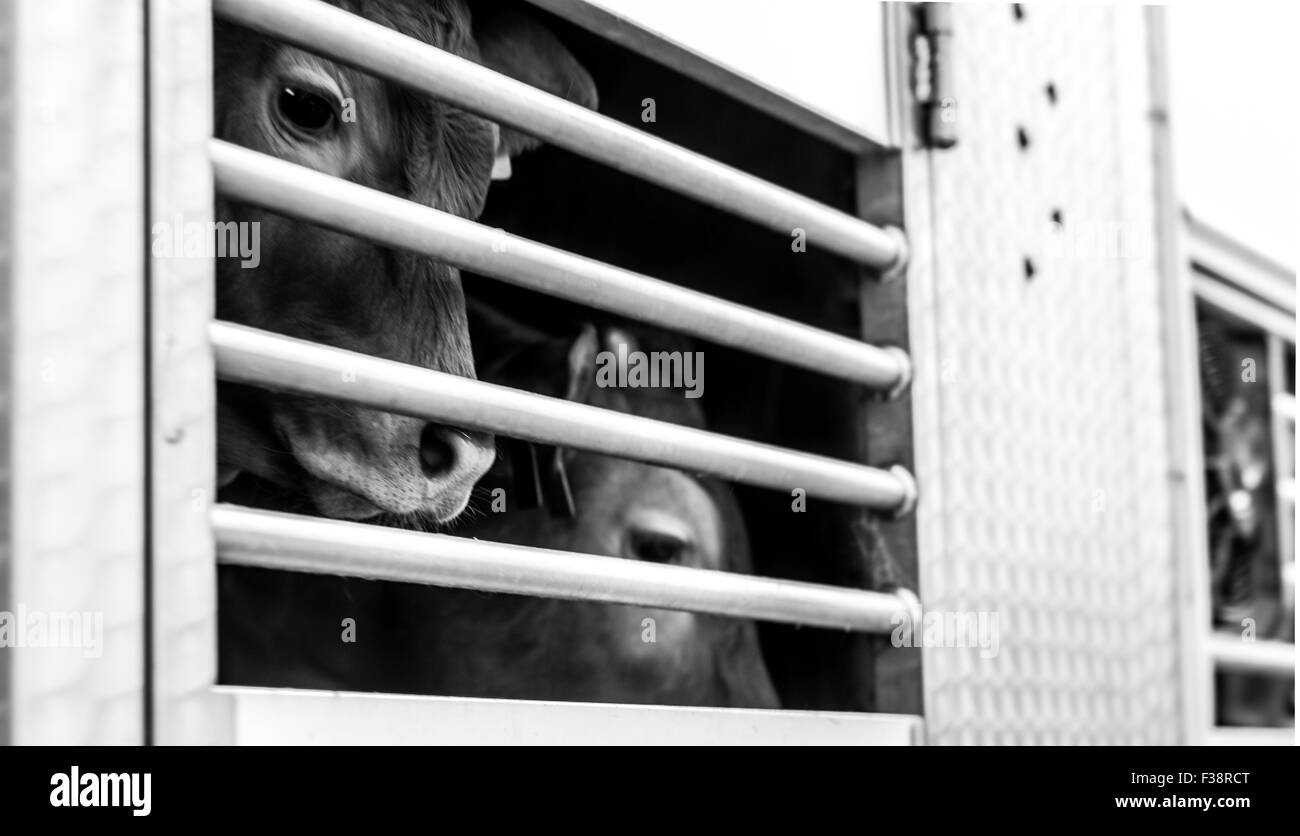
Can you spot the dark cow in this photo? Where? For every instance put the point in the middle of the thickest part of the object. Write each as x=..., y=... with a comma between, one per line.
x=484, y=645
x=1245, y=572
x=322, y=456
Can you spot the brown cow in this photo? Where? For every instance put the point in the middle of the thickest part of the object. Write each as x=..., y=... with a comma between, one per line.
x=316, y=456
x=312, y=283
x=483, y=645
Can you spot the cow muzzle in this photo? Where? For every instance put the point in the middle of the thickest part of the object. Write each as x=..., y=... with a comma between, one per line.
x=380, y=463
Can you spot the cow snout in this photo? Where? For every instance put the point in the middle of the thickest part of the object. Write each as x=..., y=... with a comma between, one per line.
x=453, y=460
x=442, y=448
x=361, y=463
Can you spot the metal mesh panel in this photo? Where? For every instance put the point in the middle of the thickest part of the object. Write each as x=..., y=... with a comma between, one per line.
x=76, y=476
x=1041, y=425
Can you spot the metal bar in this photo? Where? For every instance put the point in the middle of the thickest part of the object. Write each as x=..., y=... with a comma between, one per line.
x=941, y=104
x=8, y=132
x=1213, y=253
x=182, y=602
x=883, y=433
x=376, y=49
x=272, y=540
x=1182, y=403
x=1249, y=736
x=259, y=358
x=284, y=717
x=1244, y=307
x=303, y=193
x=1230, y=653
x=1283, y=402
x=1282, y=427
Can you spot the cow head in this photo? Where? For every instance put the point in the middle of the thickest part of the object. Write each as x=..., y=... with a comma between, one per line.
x=624, y=509
x=316, y=284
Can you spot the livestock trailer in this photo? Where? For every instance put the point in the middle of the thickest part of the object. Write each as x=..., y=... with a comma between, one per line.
x=944, y=240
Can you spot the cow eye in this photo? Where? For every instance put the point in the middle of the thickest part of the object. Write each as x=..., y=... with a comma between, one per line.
x=656, y=546
x=307, y=111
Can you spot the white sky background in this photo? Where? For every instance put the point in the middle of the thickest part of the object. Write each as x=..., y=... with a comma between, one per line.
x=1233, y=80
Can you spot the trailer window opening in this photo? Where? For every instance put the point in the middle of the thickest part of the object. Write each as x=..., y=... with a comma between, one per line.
x=1247, y=383
x=789, y=377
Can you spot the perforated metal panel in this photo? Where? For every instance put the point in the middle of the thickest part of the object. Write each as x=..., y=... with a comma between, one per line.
x=1040, y=409
x=76, y=482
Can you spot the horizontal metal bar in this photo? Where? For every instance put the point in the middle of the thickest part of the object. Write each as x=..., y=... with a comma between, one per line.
x=293, y=717
x=303, y=193
x=260, y=358
x=1245, y=307
x=376, y=49
x=1283, y=402
x=1249, y=736
x=1231, y=653
x=1215, y=253
x=271, y=540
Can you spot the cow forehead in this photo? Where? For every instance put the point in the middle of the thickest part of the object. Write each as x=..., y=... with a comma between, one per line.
x=630, y=493
x=443, y=23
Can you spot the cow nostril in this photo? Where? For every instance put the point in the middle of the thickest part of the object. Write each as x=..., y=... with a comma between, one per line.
x=436, y=453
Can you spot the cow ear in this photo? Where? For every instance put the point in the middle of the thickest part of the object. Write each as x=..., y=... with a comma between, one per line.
x=616, y=338
x=514, y=44
x=560, y=367
x=510, y=353
x=582, y=365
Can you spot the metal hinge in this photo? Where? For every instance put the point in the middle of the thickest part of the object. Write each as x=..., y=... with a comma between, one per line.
x=932, y=75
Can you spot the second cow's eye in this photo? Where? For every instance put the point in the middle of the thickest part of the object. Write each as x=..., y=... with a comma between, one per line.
x=656, y=546
x=307, y=111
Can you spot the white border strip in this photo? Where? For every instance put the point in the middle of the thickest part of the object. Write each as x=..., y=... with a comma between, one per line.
x=266, y=716
x=1244, y=736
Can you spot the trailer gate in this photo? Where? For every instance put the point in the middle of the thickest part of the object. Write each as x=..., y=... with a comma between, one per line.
x=188, y=165
x=1260, y=295
x=1040, y=395
x=1060, y=462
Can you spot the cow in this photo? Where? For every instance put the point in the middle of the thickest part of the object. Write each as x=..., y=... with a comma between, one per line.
x=1242, y=514
x=329, y=458
x=316, y=456
x=473, y=644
